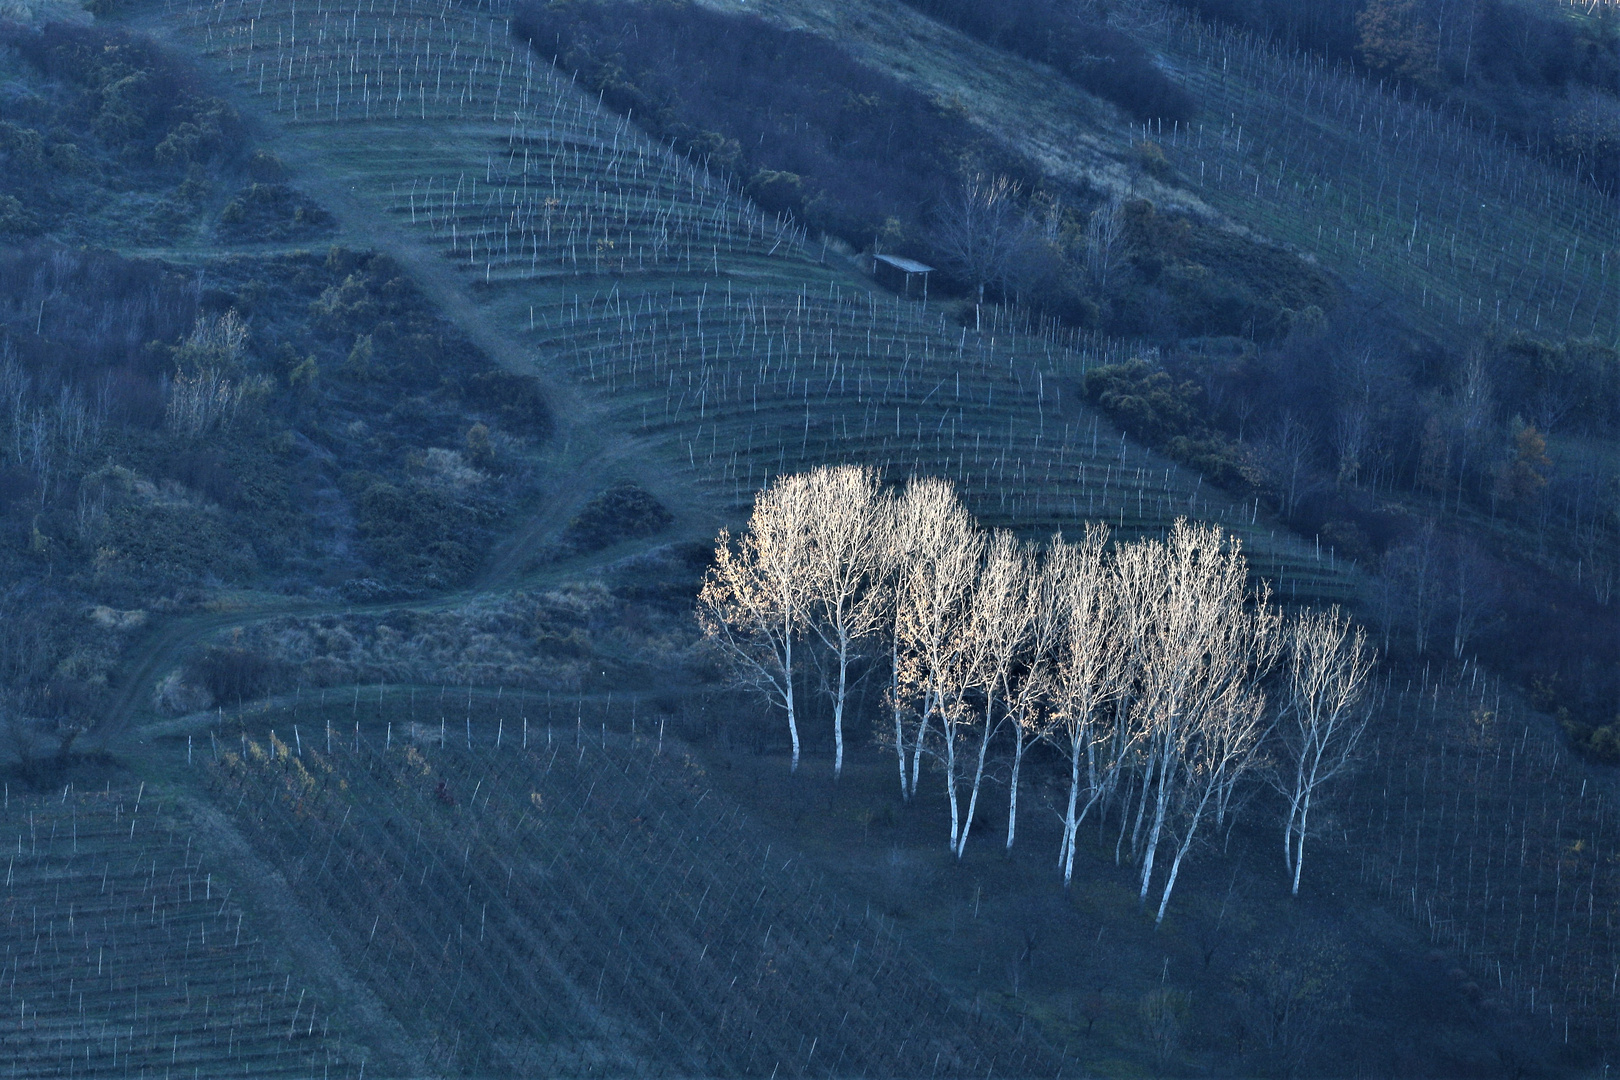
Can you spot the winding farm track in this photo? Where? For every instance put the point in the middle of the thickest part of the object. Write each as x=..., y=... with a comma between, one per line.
x=588, y=453
x=684, y=339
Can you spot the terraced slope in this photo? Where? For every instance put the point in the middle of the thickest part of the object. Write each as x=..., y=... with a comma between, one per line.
x=126, y=955
x=730, y=343
x=1464, y=230
x=1457, y=231
x=540, y=904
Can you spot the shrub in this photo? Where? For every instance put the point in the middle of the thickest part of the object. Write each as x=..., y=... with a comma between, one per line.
x=622, y=512
x=422, y=534
x=232, y=674
x=271, y=211
x=1145, y=401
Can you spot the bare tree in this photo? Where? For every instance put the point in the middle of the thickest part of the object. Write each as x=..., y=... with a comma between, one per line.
x=1414, y=568
x=1195, y=654
x=751, y=606
x=998, y=628
x=842, y=531
x=1222, y=746
x=940, y=659
x=1088, y=674
x=1475, y=411
x=1105, y=243
x=1027, y=690
x=1287, y=453
x=1327, y=668
x=982, y=234
x=1475, y=594
x=932, y=589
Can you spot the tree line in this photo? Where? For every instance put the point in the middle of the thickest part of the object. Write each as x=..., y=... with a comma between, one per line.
x=1167, y=685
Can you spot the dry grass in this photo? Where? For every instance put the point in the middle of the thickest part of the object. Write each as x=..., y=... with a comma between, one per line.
x=1076, y=137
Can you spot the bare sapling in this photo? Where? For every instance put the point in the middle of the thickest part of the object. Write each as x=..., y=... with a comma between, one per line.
x=1027, y=686
x=932, y=587
x=751, y=606
x=1327, y=667
x=1192, y=655
x=998, y=629
x=843, y=532
x=1087, y=674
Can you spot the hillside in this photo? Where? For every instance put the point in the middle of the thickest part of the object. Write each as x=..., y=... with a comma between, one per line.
x=359, y=478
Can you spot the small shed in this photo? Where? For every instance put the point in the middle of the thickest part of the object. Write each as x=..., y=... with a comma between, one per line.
x=897, y=273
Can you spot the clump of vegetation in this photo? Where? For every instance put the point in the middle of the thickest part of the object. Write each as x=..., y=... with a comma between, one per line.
x=1155, y=408
x=112, y=136
x=624, y=511
x=270, y=212
x=1078, y=646
x=1077, y=42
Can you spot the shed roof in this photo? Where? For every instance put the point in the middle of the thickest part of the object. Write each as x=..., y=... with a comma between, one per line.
x=910, y=266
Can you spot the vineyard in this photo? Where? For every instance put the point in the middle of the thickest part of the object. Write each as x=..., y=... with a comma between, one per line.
x=1487, y=834
x=1467, y=231
x=125, y=955
x=747, y=386
x=555, y=901
x=533, y=181
x=717, y=332
x=527, y=896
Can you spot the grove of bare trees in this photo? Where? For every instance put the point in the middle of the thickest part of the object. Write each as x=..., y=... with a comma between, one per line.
x=1167, y=685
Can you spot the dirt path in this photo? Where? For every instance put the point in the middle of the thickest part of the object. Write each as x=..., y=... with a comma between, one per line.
x=586, y=452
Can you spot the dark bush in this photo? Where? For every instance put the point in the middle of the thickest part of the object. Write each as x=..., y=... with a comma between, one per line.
x=422, y=535
x=268, y=212
x=1145, y=401
x=1075, y=42
x=515, y=401
x=233, y=675
x=622, y=512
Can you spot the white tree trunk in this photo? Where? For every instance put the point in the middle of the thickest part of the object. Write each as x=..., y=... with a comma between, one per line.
x=1012, y=799
x=1071, y=824
x=787, y=699
x=950, y=780
x=899, y=728
x=978, y=777
x=922, y=732
x=1161, y=810
x=1299, y=854
x=838, y=709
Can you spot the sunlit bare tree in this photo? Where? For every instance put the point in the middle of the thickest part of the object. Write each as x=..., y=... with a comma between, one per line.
x=843, y=531
x=1088, y=675
x=751, y=606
